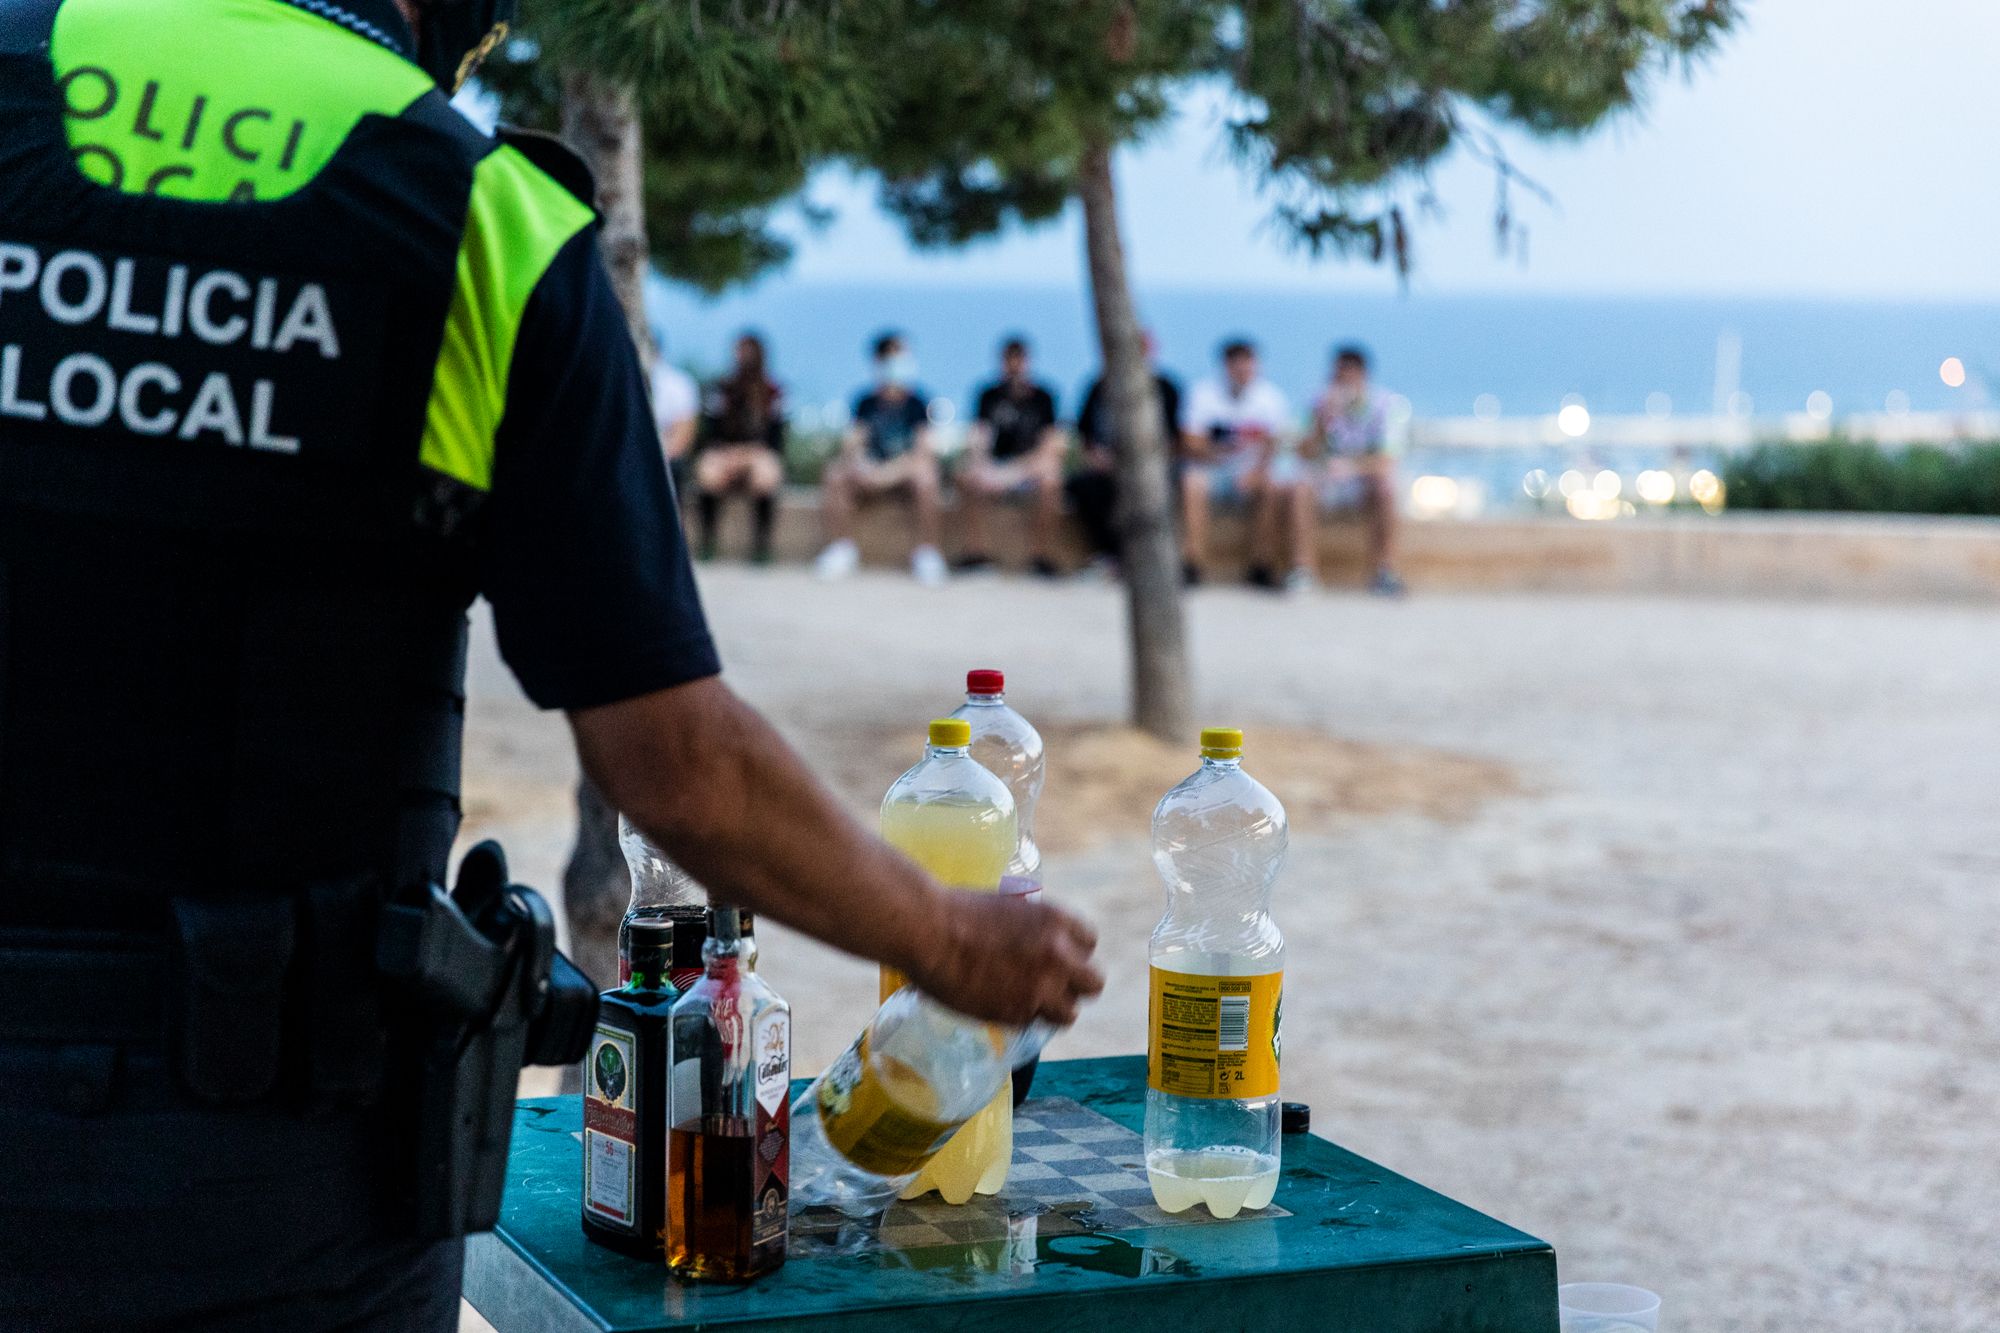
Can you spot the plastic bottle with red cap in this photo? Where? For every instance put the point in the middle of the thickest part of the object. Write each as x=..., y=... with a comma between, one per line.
x=1007, y=745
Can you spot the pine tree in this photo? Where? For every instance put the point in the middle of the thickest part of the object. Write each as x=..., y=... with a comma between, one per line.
x=1001, y=112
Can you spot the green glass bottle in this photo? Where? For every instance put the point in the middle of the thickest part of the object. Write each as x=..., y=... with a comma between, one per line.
x=625, y=1101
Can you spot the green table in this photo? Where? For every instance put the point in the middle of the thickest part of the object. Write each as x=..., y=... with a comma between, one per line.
x=1363, y=1251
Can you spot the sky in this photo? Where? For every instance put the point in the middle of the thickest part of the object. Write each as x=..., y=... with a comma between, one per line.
x=1833, y=148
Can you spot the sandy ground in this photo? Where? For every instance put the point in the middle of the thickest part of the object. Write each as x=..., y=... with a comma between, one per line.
x=1662, y=929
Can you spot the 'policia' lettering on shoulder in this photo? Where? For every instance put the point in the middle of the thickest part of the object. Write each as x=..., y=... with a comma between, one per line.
x=85, y=308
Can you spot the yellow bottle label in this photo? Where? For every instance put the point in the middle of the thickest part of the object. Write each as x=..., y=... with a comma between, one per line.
x=877, y=1113
x=1214, y=1036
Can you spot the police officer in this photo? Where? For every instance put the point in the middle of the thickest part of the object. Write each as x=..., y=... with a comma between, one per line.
x=293, y=364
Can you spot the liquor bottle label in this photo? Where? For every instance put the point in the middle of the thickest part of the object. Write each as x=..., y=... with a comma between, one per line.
x=771, y=1169
x=862, y=1106
x=773, y=1050
x=611, y=1129
x=1214, y=1036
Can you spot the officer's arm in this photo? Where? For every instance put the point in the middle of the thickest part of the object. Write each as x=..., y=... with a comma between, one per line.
x=705, y=776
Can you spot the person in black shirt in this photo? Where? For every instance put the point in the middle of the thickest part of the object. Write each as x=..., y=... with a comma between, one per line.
x=1093, y=488
x=1015, y=448
x=741, y=447
x=887, y=448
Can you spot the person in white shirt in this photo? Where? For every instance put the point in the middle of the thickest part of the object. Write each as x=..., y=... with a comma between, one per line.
x=1236, y=445
x=676, y=412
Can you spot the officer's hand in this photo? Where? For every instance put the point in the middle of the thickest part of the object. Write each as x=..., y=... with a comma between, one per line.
x=1009, y=960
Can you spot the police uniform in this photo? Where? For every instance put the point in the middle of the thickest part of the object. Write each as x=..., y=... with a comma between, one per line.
x=294, y=363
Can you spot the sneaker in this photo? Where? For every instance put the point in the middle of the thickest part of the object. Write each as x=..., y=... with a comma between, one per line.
x=1044, y=568
x=838, y=560
x=1260, y=576
x=1386, y=584
x=928, y=567
x=972, y=562
x=706, y=553
x=761, y=556
x=1101, y=569
x=1300, y=581
x=1190, y=574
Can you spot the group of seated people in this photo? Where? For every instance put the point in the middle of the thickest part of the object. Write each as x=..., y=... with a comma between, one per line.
x=1232, y=439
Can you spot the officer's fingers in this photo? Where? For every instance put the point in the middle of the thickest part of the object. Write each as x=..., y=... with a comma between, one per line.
x=1072, y=948
x=1055, y=1001
x=1079, y=930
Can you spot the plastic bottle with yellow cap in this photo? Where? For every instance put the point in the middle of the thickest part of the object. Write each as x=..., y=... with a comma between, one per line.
x=957, y=821
x=1213, y=1114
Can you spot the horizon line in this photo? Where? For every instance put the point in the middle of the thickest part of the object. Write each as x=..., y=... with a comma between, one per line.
x=1264, y=289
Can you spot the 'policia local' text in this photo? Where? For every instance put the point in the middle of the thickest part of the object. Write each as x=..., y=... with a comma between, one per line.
x=86, y=296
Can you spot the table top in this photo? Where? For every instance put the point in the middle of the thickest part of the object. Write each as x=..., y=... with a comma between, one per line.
x=1349, y=1246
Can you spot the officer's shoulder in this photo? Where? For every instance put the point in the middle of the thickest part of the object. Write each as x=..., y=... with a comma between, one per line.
x=554, y=159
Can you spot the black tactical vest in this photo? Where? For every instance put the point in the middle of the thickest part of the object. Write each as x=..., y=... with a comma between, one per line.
x=232, y=604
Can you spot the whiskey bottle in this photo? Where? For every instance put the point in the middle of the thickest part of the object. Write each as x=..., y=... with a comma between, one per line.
x=728, y=1151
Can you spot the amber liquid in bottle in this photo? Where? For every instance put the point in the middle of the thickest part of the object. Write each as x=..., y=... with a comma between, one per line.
x=728, y=1149
x=721, y=1229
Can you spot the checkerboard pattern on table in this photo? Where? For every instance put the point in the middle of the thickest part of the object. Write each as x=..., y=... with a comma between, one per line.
x=1073, y=1171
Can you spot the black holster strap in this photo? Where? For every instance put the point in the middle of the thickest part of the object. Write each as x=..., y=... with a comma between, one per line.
x=228, y=995
x=94, y=993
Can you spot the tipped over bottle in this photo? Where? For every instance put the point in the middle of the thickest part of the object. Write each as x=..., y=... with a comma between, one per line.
x=956, y=820
x=1213, y=1116
x=868, y=1126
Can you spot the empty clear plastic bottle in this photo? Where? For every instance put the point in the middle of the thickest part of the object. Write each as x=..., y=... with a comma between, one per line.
x=662, y=891
x=1007, y=745
x=956, y=820
x=868, y=1126
x=1218, y=960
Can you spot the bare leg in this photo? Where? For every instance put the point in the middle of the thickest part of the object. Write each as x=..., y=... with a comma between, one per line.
x=1382, y=521
x=837, y=502
x=1305, y=527
x=972, y=502
x=1262, y=499
x=1194, y=516
x=924, y=481
x=1048, y=506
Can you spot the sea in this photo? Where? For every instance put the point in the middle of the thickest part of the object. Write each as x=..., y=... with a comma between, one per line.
x=1450, y=356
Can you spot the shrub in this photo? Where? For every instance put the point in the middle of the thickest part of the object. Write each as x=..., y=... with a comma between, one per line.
x=1847, y=476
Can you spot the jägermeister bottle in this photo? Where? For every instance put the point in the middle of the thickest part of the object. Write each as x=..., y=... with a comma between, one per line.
x=625, y=1101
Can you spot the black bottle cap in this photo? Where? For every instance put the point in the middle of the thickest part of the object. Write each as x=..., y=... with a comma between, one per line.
x=1295, y=1117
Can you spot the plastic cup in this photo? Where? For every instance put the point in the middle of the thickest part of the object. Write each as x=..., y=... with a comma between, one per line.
x=1607, y=1307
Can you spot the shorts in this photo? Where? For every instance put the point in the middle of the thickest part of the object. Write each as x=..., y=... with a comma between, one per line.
x=1229, y=477
x=1342, y=485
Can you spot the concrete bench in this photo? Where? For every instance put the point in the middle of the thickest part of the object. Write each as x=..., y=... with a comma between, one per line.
x=1830, y=555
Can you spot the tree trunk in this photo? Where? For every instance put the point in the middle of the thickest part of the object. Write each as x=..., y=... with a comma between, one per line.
x=601, y=121
x=1162, y=683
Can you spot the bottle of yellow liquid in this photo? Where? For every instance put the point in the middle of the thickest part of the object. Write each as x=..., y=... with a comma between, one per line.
x=957, y=821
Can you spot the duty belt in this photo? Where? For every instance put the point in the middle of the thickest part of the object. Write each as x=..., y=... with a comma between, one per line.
x=84, y=987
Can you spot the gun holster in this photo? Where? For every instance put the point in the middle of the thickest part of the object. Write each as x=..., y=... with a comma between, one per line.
x=486, y=992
